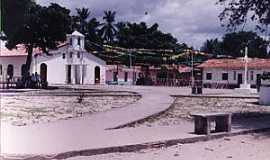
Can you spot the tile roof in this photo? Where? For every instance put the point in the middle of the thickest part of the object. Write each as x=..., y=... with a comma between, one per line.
x=253, y=63
x=123, y=68
x=184, y=68
x=5, y=52
x=20, y=50
x=76, y=33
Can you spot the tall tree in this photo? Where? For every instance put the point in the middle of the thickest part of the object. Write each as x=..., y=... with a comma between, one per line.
x=13, y=14
x=108, y=29
x=44, y=28
x=83, y=14
x=234, y=43
x=237, y=12
x=139, y=35
x=212, y=46
x=92, y=36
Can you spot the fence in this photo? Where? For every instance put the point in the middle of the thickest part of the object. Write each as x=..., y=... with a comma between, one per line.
x=172, y=82
x=188, y=83
x=8, y=83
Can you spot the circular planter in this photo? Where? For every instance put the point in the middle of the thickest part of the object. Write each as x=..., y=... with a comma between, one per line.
x=264, y=95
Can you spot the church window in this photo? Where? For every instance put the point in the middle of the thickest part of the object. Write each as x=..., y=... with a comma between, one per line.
x=70, y=41
x=1, y=69
x=79, y=41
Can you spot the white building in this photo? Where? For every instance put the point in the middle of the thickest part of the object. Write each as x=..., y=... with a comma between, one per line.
x=230, y=72
x=11, y=61
x=69, y=64
x=121, y=74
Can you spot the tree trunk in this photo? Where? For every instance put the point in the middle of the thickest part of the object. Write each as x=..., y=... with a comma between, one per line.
x=29, y=59
x=27, y=65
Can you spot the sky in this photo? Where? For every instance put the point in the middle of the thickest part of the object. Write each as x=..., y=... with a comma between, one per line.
x=190, y=21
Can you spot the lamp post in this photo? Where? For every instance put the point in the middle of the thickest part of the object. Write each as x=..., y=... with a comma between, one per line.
x=192, y=67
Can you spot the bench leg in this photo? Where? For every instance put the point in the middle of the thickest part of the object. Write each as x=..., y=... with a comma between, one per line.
x=208, y=126
x=202, y=126
x=223, y=124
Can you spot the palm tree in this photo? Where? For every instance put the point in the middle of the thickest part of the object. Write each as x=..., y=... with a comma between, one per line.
x=108, y=30
x=83, y=15
x=92, y=36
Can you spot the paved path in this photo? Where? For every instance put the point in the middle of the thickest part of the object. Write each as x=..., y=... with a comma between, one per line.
x=89, y=132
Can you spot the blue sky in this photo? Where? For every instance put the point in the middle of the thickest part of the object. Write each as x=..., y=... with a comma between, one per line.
x=190, y=21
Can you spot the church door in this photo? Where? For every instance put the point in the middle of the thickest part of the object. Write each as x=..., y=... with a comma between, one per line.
x=43, y=72
x=97, y=75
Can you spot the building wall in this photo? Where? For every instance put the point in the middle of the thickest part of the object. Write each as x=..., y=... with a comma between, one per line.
x=56, y=70
x=91, y=61
x=132, y=75
x=232, y=76
x=57, y=66
x=17, y=63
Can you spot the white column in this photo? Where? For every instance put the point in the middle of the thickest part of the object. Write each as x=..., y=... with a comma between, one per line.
x=81, y=78
x=73, y=74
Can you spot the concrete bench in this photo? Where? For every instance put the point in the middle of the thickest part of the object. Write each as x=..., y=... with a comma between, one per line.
x=203, y=122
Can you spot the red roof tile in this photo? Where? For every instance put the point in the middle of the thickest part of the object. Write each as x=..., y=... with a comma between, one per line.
x=20, y=50
x=253, y=63
x=184, y=68
x=5, y=52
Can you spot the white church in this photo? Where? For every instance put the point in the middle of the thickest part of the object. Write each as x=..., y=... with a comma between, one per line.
x=69, y=64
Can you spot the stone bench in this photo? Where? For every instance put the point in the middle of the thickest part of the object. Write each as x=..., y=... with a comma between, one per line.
x=203, y=122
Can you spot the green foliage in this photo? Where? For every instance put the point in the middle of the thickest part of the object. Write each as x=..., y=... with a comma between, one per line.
x=44, y=28
x=13, y=14
x=81, y=20
x=108, y=29
x=234, y=43
x=212, y=46
x=266, y=76
x=87, y=26
x=238, y=12
x=133, y=35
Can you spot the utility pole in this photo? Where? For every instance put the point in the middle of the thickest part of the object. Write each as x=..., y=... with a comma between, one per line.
x=1, y=6
x=130, y=66
x=2, y=34
x=192, y=69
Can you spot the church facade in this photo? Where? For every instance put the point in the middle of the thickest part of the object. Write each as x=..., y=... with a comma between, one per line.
x=69, y=64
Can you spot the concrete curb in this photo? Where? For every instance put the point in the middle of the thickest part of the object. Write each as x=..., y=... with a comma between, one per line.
x=215, y=96
x=131, y=148
x=142, y=120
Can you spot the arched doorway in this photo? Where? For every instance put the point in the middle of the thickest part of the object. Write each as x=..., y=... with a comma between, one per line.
x=23, y=70
x=97, y=75
x=10, y=71
x=43, y=72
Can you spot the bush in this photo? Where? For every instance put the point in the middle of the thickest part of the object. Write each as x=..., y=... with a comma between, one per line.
x=266, y=76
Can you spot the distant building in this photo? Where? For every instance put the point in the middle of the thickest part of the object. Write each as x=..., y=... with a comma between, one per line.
x=229, y=73
x=69, y=64
x=12, y=62
x=121, y=74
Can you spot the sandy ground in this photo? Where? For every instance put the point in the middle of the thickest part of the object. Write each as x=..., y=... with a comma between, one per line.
x=185, y=106
x=243, y=147
x=25, y=110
